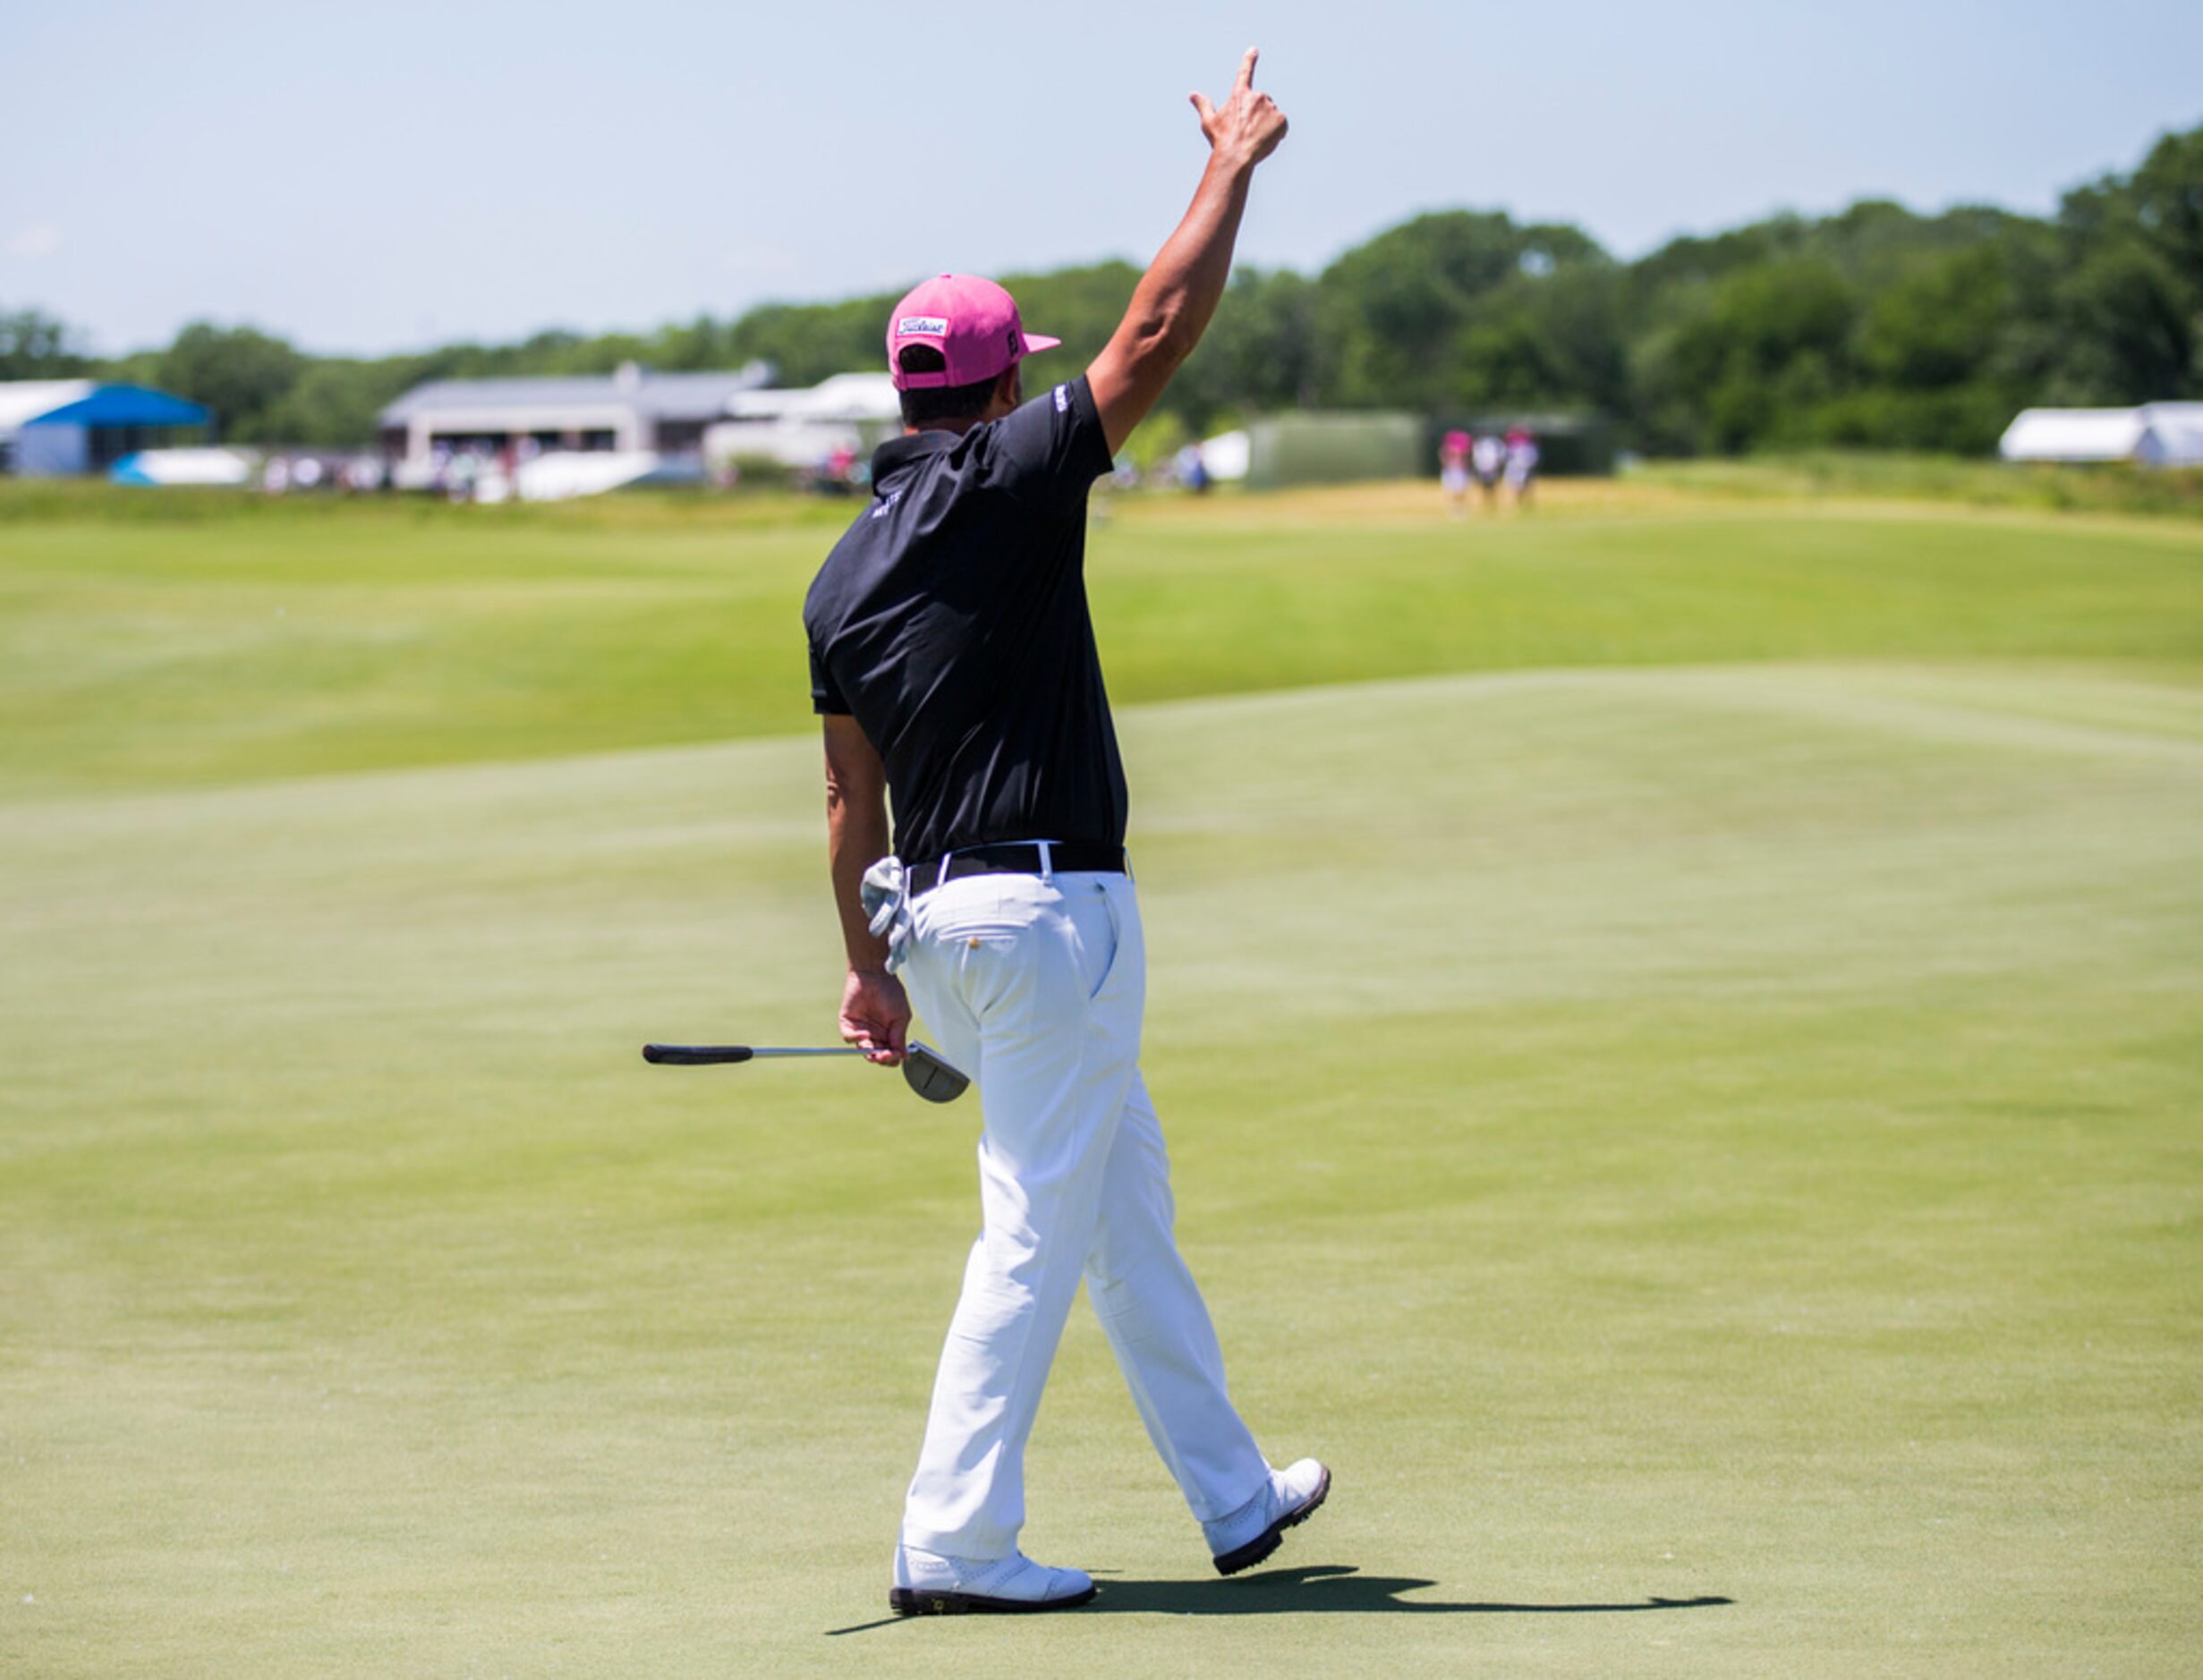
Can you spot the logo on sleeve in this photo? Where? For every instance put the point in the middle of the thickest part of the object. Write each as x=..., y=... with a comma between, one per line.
x=1063, y=399
x=922, y=327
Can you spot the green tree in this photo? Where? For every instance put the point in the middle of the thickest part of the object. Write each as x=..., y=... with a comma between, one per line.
x=1506, y=361
x=34, y=346
x=334, y=402
x=2123, y=321
x=1671, y=281
x=1875, y=326
x=1261, y=353
x=2167, y=199
x=1390, y=309
x=809, y=341
x=1771, y=341
x=239, y=372
x=2127, y=328
x=1940, y=326
x=1552, y=340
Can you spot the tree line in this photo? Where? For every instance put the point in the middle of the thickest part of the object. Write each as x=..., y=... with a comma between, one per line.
x=1875, y=327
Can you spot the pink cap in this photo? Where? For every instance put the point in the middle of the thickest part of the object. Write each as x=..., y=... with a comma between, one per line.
x=972, y=323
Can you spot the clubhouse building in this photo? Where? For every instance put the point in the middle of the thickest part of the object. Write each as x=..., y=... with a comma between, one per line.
x=632, y=412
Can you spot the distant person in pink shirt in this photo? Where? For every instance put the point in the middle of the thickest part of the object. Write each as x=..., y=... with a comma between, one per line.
x=1453, y=471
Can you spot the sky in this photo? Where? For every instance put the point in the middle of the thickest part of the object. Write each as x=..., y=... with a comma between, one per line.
x=389, y=176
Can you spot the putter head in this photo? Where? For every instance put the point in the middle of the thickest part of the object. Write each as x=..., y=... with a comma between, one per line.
x=925, y=1073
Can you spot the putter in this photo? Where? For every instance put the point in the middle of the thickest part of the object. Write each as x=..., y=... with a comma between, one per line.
x=923, y=1071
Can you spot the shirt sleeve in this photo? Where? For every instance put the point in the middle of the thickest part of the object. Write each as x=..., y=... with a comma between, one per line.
x=826, y=695
x=1051, y=448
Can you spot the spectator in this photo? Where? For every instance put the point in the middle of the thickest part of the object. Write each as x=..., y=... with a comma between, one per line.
x=1486, y=457
x=1521, y=464
x=1193, y=471
x=1453, y=470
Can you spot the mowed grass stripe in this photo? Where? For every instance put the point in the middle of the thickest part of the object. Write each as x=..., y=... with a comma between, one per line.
x=222, y=651
x=1677, y=1134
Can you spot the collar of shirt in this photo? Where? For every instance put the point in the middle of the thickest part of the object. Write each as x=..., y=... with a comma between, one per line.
x=898, y=452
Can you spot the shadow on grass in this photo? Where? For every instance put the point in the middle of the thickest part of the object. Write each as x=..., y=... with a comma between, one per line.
x=1311, y=1590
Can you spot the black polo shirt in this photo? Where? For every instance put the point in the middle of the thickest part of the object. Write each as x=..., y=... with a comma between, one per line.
x=951, y=622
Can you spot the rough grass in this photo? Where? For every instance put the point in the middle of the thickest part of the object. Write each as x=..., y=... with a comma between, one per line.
x=2112, y=487
x=1703, y=1139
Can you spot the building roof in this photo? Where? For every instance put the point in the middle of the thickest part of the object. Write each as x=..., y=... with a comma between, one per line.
x=698, y=396
x=91, y=403
x=125, y=405
x=23, y=400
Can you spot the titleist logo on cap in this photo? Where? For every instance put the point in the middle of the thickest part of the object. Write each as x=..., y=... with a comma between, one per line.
x=921, y=325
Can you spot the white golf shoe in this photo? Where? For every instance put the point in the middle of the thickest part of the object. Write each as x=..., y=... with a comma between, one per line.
x=1258, y=1528
x=927, y=1584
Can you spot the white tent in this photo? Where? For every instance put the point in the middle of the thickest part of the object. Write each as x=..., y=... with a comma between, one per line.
x=847, y=397
x=2071, y=434
x=2155, y=434
x=2171, y=435
x=564, y=474
x=803, y=428
x=1227, y=457
x=183, y=466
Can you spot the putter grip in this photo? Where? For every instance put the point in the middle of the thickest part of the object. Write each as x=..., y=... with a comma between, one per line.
x=695, y=1054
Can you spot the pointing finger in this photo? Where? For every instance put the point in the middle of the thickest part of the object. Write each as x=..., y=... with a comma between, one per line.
x=1246, y=69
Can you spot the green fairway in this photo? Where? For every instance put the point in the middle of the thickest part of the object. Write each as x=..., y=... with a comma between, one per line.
x=283, y=641
x=1677, y=1024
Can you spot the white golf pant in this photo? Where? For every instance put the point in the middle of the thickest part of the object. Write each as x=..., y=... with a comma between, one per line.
x=1034, y=986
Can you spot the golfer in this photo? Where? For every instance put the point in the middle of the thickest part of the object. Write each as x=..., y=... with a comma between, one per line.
x=952, y=661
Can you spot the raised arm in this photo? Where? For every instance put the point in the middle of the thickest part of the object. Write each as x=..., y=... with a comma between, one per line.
x=1172, y=307
x=874, y=1011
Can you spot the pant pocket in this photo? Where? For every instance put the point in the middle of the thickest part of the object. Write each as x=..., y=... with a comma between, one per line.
x=982, y=942
x=1101, y=937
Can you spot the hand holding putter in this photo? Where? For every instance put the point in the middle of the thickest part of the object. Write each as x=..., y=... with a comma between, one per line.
x=923, y=1070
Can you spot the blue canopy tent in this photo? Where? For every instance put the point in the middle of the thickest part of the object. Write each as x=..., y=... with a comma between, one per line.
x=105, y=423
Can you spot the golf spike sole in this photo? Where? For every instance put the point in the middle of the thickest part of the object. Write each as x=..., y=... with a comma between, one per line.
x=1247, y=1556
x=923, y=1601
